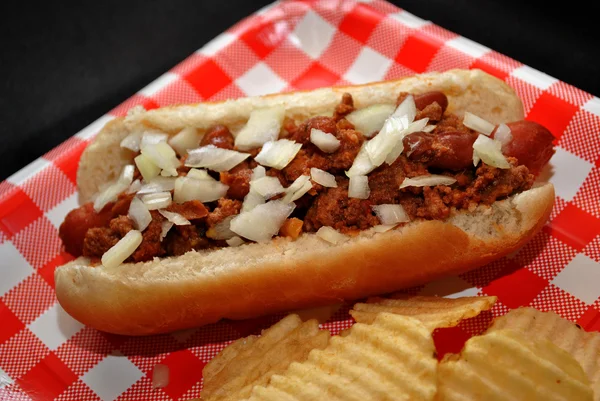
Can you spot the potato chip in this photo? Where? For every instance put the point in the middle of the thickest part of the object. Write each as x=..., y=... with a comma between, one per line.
x=252, y=361
x=507, y=365
x=583, y=346
x=391, y=359
x=434, y=312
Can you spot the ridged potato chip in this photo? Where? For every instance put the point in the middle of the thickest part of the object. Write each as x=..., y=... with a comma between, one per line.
x=434, y=312
x=391, y=359
x=583, y=346
x=508, y=365
x=252, y=361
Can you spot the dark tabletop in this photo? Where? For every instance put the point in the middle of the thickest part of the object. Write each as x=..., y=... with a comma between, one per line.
x=64, y=64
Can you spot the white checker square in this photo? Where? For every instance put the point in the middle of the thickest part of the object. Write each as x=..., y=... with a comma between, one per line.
x=451, y=287
x=217, y=44
x=5, y=379
x=14, y=268
x=313, y=34
x=91, y=130
x=54, y=327
x=467, y=46
x=57, y=214
x=260, y=80
x=410, y=20
x=369, y=66
x=28, y=171
x=158, y=84
x=593, y=106
x=112, y=376
x=568, y=173
x=580, y=278
x=534, y=77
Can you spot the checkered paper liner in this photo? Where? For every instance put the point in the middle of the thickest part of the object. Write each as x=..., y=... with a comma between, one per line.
x=45, y=354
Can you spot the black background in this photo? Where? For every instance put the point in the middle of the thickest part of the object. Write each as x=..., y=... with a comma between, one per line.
x=64, y=64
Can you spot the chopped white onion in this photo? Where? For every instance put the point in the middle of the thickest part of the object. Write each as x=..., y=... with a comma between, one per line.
x=267, y=187
x=199, y=174
x=263, y=222
x=158, y=184
x=258, y=172
x=278, y=154
x=478, y=124
x=490, y=152
x=503, y=134
x=112, y=192
x=251, y=200
x=162, y=155
x=391, y=214
x=134, y=187
x=297, y=189
x=428, y=128
x=331, y=235
x=362, y=164
x=158, y=200
x=407, y=110
x=187, y=189
x=160, y=376
x=147, y=168
x=221, y=230
x=235, y=241
x=185, y=139
x=328, y=143
x=214, y=158
x=122, y=249
x=323, y=177
x=379, y=147
x=165, y=226
x=132, y=141
x=263, y=126
x=139, y=213
x=369, y=120
x=152, y=138
x=416, y=126
x=175, y=218
x=382, y=228
x=427, y=181
x=358, y=187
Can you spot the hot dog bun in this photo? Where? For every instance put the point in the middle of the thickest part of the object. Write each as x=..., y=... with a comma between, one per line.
x=256, y=279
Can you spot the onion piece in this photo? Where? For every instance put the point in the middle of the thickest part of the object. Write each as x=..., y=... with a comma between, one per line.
x=134, y=187
x=165, y=226
x=175, y=218
x=267, y=187
x=160, y=376
x=263, y=126
x=147, y=168
x=199, y=175
x=379, y=147
x=478, y=124
x=323, y=177
x=162, y=155
x=278, y=154
x=158, y=200
x=258, y=172
x=297, y=189
x=235, y=241
x=263, y=222
x=152, y=138
x=328, y=143
x=369, y=120
x=390, y=214
x=187, y=189
x=416, y=126
x=428, y=128
x=382, y=228
x=158, y=184
x=139, y=213
x=362, y=164
x=407, y=110
x=112, y=192
x=503, y=134
x=251, y=200
x=490, y=152
x=222, y=230
x=132, y=141
x=123, y=249
x=331, y=235
x=427, y=181
x=185, y=139
x=214, y=158
x=358, y=187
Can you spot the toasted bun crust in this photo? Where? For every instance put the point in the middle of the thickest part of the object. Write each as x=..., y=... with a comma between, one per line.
x=256, y=279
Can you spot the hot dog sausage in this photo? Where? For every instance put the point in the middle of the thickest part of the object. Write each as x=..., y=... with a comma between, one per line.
x=78, y=222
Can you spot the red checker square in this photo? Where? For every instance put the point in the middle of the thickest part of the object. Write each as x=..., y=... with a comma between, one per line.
x=14, y=361
x=178, y=92
x=38, y=242
x=553, y=113
x=263, y=37
x=47, y=379
x=526, y=92
x=448, y=58
x=545, y=255
x=315, y=76
x=517, y=287
x=449, y=340
x=236, y=59
x=49, y=187
x=590, y=320
x=581, y=136
x=588, y=196
x=207, y=78
x=229, y=92
x=30, y=298
x=17, y=211
x=84, y=350
x=66, y=157
x=341, y=53
x=185, y=370
x=288, y=61
x=418, y=51
x=47, y=271
x=571, y=94
x=574, y=227
x=360, y=22
x=135, y=100
x=79, y=391
x=388, y=37
x=11, y=324
x=555, y=299
x=484, y=65
x=496, y=64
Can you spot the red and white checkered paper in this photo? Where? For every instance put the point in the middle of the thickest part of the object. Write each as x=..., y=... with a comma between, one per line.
x=45, y=354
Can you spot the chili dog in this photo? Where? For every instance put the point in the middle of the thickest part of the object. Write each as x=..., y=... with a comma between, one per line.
x=196, y=213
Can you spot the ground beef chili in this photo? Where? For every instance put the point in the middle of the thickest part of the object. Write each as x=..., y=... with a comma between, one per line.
x=446, y=150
